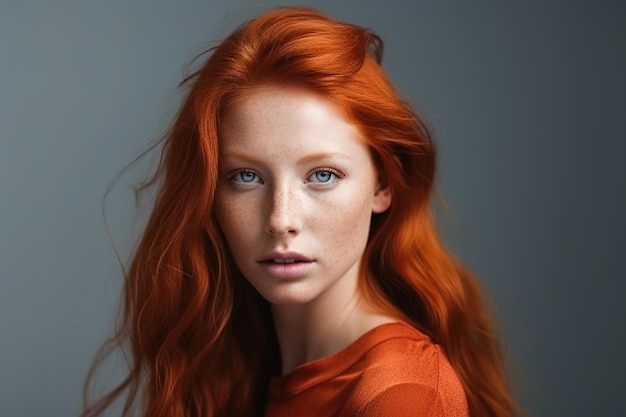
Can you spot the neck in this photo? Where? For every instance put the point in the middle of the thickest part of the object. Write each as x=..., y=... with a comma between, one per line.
x=311, y=331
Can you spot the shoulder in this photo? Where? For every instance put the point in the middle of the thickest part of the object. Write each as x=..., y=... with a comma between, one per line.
x=413, y=400
x=406, y=374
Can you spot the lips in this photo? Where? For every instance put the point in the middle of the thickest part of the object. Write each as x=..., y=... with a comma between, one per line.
x=286, y=265
x=284, y=258
x=284, y=261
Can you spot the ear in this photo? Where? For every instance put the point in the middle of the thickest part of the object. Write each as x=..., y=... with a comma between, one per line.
x=382, y=200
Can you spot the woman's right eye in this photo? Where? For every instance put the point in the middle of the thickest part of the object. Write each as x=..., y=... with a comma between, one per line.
x=246, y=177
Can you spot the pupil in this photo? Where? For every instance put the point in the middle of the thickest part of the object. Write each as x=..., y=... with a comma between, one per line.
x=323, y=176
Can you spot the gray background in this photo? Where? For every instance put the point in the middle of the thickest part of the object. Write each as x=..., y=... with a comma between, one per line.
x=527, y=100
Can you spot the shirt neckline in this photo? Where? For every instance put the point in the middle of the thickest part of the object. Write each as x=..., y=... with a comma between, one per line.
x=312, y=373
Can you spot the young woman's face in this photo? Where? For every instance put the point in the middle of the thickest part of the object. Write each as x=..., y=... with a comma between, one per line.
x=296, y=193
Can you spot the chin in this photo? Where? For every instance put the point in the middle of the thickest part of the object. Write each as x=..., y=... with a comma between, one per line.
x=287, y=298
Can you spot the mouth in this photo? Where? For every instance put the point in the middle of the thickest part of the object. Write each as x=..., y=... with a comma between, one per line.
x=283, y=258
x=286, y=265
x=283, y=261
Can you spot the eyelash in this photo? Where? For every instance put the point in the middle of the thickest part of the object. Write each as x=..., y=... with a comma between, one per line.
x=231, y=176
x=335, y=176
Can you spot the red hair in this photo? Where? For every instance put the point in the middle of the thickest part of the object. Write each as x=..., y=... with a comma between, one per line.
x=200, y=336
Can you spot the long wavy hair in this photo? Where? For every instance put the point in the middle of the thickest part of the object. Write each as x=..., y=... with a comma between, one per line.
x=201, y=340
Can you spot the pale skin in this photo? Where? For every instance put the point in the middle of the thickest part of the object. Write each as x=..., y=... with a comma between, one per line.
x=296, y=193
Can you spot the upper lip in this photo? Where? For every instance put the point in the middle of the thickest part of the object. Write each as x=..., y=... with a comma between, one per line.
x=270, y=256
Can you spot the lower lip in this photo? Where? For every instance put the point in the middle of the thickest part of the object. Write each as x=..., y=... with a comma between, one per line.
x=286, y=271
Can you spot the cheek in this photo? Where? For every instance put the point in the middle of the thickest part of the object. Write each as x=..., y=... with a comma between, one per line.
x=348, y=222
x=231, y=220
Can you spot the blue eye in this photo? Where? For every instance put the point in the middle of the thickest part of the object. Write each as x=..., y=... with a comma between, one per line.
x=323, y=176
x=246, y=177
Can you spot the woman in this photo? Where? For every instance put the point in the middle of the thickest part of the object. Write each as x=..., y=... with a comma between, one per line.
x=291, y=265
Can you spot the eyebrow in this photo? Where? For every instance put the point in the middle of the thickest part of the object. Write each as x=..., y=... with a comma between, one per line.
x=305, y=159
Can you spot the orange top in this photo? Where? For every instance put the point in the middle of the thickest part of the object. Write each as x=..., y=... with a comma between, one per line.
x=392, y=370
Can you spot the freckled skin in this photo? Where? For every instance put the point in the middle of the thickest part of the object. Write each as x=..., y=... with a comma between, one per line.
x=295, y=176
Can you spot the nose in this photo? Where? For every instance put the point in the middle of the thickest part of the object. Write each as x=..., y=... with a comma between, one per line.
x=284, y=211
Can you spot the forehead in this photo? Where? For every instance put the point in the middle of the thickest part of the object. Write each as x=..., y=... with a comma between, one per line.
x=285, y=116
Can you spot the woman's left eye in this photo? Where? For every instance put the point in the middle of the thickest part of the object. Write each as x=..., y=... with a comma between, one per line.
x=323, y=176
